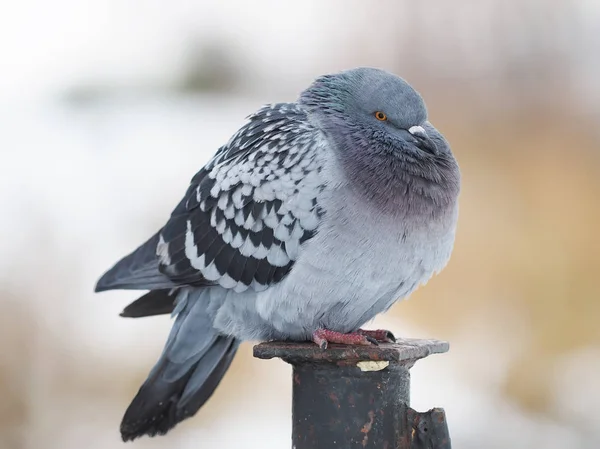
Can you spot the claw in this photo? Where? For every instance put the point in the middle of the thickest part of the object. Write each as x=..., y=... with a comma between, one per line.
x=372, y=340
x=391, y=337
x=381, y=335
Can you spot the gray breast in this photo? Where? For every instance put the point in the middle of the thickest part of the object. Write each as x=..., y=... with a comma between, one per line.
x=356, y=267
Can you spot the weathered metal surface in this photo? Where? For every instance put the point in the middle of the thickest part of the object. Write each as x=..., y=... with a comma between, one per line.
x=342, y=406
x=341, y=400
x=428, y=429
x=403, y=349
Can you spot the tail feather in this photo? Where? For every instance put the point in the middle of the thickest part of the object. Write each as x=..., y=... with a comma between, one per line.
x=191, y=367
x=155, y=302
x=161, y=404
x=201, y=385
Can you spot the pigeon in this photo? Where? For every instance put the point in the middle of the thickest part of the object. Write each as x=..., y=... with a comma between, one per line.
x=316, y=216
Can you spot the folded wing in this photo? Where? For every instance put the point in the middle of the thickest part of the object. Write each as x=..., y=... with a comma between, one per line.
x=245, y=215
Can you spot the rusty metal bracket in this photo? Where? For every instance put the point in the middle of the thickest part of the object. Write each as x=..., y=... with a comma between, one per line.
x=358, y=396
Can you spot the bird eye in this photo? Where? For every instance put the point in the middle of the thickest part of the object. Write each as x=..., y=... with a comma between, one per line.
x=380, y=116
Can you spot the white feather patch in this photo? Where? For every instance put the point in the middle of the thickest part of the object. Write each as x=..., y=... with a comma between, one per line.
x=248, y=248
x=292, y=248
x=237, y=241
x=211, y=273
x=191, y=252
x=227, y=236
x=282, y=233
x=162, y=251
x=261, y=252
x=257, y=286
x=227, y=281
x=277, y=257
x=240, y=287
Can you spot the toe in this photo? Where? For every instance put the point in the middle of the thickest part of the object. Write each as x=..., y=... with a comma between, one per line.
x=319, y=339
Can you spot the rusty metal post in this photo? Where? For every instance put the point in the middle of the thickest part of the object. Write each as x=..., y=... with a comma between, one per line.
x=358, y=396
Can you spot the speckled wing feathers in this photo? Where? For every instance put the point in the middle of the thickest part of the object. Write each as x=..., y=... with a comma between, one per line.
x=247, y=212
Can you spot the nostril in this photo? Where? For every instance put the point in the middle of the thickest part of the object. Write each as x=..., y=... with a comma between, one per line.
x=415, y=130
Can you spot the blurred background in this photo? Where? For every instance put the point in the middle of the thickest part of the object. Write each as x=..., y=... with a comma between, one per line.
x=107, y=109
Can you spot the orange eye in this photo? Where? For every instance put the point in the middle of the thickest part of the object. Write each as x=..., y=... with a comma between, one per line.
x=380, y=116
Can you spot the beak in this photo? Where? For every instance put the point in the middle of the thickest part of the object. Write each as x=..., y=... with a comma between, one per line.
x=423, y=141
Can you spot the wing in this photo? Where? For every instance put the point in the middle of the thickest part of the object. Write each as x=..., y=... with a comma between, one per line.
x=245, y=215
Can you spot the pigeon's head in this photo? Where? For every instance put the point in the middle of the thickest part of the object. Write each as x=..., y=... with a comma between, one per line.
x=383, y=106
x=378, y=126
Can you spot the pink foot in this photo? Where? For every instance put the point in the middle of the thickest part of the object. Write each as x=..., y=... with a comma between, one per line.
x=361, y=337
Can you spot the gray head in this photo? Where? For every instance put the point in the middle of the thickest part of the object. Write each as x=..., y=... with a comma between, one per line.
x=378, y=125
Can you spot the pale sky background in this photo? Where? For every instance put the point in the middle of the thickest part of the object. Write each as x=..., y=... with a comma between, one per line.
x=49, y=46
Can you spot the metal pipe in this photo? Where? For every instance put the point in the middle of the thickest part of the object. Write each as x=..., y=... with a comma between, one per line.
x=358, y=396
